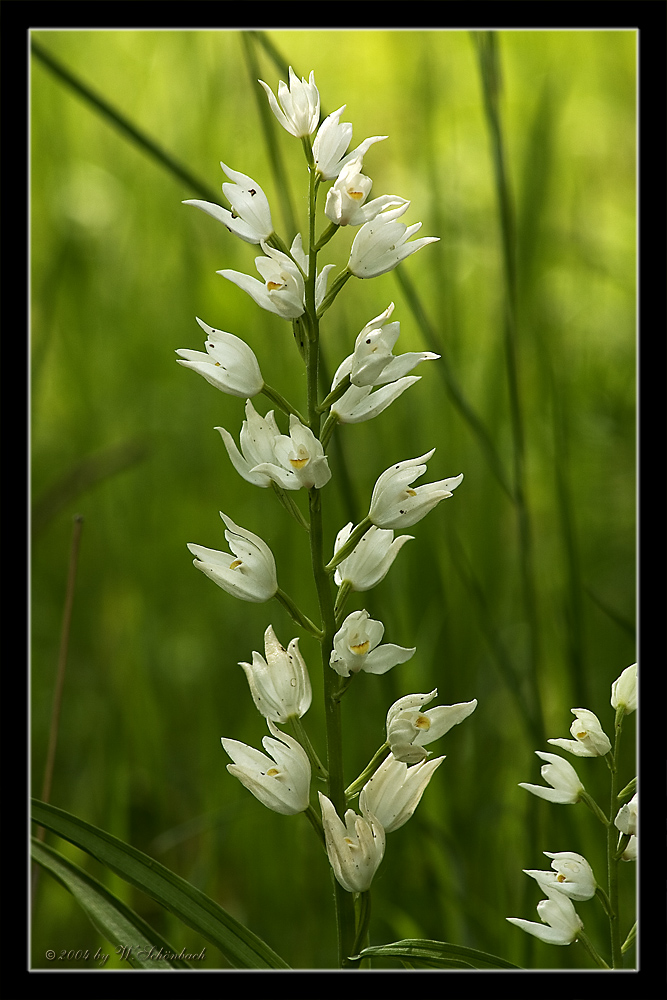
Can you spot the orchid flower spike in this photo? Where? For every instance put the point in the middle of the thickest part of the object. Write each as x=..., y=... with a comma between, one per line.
x=249, y=574
x=250, y=217
x=228, y=364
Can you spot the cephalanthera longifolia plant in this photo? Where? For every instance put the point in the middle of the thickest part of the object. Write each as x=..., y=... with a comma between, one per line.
x=572, y=877
x=294, y=775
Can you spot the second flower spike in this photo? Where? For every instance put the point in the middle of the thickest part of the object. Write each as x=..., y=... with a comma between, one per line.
x=279, y=684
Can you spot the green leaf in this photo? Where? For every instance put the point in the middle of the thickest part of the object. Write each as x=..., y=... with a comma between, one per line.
x=109, y=915
x=241, y=948
x=436, y=954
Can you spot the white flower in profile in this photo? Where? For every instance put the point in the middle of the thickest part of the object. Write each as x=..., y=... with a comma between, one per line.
x=258, y=441
x=356, y=647
x=228, y=364
x=624, y=690
x=331, y=142
x=297, y=252
x=360, y=403
x=346, y=203
x=250, y=217
x=410, y=728
x=282, y=781
x=355, y=848
x=382, y=243
x=393, y=793
x=572, y=876
x=560, y=922
x=280, y=684
x=370, y=560
x=299, y=108
x=395, y=504
x=299, y=459
x=249, y=574
x=283, y=289
x=589, y=738
x=372, y=362
x=565, y=788
x=626, y=817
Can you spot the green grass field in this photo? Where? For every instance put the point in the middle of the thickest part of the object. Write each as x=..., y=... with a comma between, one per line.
x=526, y=604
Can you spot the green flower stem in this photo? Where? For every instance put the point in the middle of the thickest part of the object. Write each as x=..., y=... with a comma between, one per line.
x=302, y=736
x=343, y=902
x=612, y=859
x=584, y=941
x=351, y=543
x=326, y=236
x=290, y=504
x=297, y=614
x=629, y=790
x=328, y=429
x=344, y=592
x=630, y=939
x=362, y=906
x=335, y=394
x=593, y=806
x=280, y=401
x=368, y=772
x=336, y=286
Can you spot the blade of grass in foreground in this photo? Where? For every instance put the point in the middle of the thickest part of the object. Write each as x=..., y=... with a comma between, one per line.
x=115, y=921
x=437, y=954
x=241, y=948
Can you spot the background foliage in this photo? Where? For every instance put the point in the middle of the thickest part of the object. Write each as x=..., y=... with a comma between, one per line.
x=124, y=437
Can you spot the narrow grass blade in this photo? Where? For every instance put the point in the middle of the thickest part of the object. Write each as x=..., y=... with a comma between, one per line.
x=241, y=948
x=436, y=954
x=115, y=921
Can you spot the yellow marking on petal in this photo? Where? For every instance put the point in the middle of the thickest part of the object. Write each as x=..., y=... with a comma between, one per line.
x=236, y=564
x=561, y=878
x=411, y=492
x=423, y=722
x=273, y=285
x=357, y=195
x=298, y=463
x=361, y=647
x=348, y=841
x=582, y=735
x=272, y=772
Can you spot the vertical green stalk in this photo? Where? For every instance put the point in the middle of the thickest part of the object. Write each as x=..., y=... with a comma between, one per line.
x=488, y=59
x=343, y=900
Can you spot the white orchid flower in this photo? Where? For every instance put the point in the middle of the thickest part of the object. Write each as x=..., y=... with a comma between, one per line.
x=356, y=647
x=283, y=289
x=589, y=738
x=572, y=876
x=395, y=504
x=297, y=251
x=560, y=922
x=250, y=217
x=372, y=362
x=299, y=460
x=258, y=440
x=626, y=817
x=346, y=203
x=393, y=793
x=331, y=142
x=565, y=788
x=409, y=728
x=249, y=574
x=299, y=108
x=280, y=684
x=355, y=848
x=360, y=403
x=381, y=244
x=370, y=560
x=282, y=781
x=228, y=364
x=624, y=690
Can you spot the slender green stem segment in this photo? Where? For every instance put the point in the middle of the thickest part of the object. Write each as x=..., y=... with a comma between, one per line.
x=368, y=771
x=585, y=943
x=345, y=921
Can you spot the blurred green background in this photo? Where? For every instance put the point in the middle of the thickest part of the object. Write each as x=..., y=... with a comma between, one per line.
x=124, y=437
